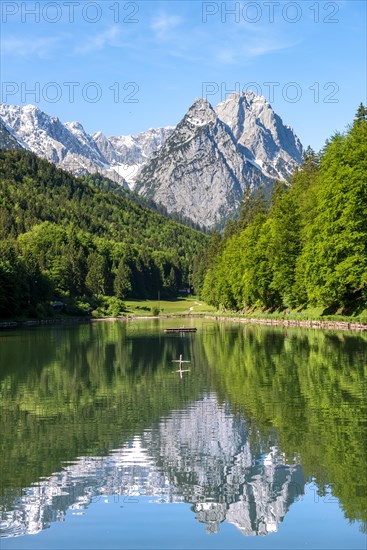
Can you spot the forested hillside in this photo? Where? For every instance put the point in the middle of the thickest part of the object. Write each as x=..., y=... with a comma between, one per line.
x=109, y=185
x=66, y=239
x=308, y=246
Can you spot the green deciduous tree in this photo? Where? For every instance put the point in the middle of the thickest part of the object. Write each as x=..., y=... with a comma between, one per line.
x=334, y=257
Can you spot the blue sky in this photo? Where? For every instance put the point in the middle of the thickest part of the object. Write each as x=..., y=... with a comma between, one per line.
x=123, y=67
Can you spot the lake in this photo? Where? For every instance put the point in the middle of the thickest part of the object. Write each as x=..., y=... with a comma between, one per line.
x=260, y=444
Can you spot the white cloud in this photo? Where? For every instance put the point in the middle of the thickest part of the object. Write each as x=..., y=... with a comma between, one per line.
x=226, y=56
x=253, y=49
x=109, y=37
x=234, y=44
x=29, y=47
x=164, y=24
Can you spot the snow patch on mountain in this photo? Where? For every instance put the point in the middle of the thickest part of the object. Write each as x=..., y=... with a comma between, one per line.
x=127, y=154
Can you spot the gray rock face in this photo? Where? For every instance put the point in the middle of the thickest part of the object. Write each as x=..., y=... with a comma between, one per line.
x=260, y=131
x=212, y=156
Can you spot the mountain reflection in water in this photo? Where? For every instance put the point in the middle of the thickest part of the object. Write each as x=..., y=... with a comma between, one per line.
x=94, y=411
x=199, y=455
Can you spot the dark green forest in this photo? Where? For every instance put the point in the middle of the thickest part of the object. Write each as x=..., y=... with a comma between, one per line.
x=80, y=241
x=306, y=246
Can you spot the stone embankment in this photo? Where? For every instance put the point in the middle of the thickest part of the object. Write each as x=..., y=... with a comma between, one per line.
x=331, y=325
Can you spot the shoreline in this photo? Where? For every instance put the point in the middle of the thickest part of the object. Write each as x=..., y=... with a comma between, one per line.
x=40, y=322
x=288, y=323
x=294, y=323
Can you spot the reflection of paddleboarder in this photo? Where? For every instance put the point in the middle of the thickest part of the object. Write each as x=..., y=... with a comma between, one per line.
x=180, y=361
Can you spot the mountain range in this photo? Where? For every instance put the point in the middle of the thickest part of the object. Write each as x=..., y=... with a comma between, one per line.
x=70, y=147
x=199, y=169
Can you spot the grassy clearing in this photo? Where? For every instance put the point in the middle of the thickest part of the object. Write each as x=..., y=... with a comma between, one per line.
x=194, y=306
x=179, y=306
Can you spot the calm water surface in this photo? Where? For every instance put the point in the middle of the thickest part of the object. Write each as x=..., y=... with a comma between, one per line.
x=262, y=444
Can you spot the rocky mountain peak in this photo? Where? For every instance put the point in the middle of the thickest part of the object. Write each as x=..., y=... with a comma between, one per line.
x=213, y=155
x=200, y=113
x=266, y=141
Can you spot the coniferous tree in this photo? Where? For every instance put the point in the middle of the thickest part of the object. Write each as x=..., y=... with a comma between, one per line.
x=361, y=116
x=122, y=284
x=97, y=275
